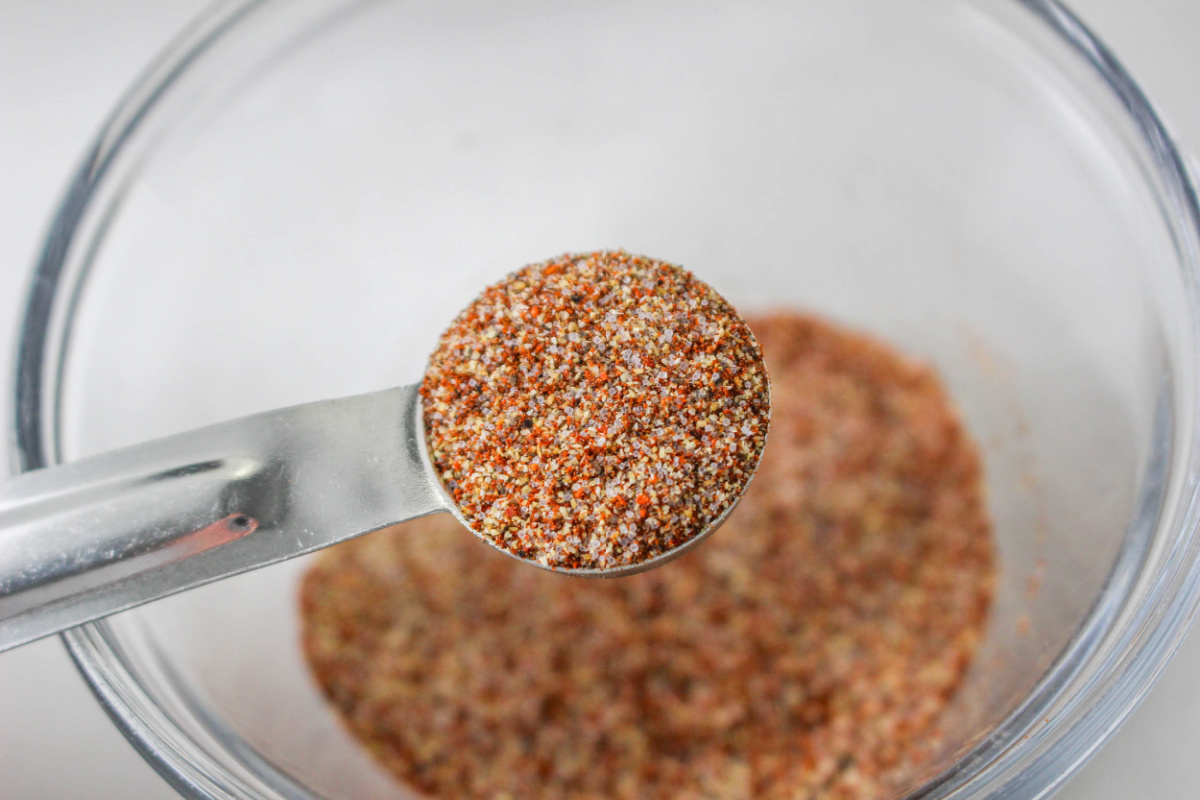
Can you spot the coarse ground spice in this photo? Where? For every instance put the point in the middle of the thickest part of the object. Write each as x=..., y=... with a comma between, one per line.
x=595, y=410
x=806, y=650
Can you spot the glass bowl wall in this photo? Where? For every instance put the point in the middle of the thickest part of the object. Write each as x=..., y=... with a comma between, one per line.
x=295, y=200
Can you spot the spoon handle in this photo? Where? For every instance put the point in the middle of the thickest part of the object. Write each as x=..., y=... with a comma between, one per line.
x=90, y=538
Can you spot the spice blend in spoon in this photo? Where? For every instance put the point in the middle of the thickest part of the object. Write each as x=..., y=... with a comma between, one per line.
x=596, y=411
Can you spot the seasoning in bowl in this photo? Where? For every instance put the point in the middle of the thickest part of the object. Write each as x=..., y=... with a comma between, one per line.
x=596, y=411
x=807, y=650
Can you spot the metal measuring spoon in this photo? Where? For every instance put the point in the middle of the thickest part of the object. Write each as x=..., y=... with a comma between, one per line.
x=87, y=539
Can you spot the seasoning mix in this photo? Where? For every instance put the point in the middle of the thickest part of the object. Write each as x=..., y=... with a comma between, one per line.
x=595, y=410
x=806, y=650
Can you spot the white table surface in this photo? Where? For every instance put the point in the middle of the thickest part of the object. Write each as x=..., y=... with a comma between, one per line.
x=64, y=63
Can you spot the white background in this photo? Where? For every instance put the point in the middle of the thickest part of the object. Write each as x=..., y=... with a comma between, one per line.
x=64, y=63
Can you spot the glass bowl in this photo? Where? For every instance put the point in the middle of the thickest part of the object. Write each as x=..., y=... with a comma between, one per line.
x=297, y=197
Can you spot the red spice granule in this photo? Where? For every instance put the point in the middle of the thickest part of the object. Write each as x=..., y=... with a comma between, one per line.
x=595, y=410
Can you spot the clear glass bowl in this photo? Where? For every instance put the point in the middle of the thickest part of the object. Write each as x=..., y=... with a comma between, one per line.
x=297, y=197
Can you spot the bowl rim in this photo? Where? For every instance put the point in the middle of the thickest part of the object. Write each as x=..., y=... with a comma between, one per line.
x=1030, y=763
